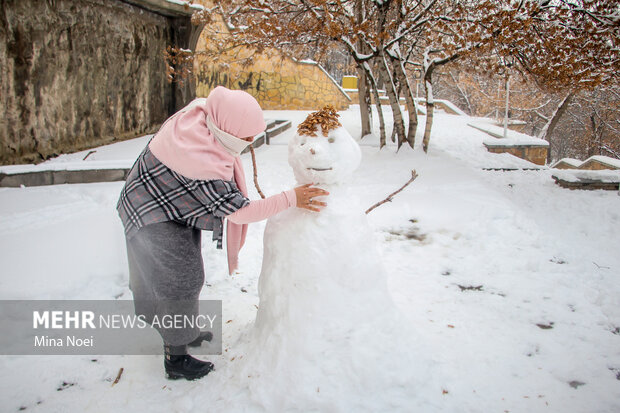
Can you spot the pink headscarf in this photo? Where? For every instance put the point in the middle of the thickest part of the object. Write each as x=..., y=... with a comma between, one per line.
x=186, y=145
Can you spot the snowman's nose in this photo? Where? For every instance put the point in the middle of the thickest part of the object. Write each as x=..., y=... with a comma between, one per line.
x=312, y=151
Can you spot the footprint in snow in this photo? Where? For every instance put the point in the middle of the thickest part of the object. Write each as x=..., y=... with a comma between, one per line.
x=65, y=385
x=575, y=384
x=545, y=326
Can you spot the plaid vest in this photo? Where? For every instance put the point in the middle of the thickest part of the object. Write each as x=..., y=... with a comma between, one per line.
x=154, y=193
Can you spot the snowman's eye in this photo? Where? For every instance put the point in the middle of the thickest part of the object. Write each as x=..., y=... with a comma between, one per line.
x=331, y=140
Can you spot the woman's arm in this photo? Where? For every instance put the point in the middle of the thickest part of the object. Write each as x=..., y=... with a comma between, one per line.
x=301, y=197
x=264, y=208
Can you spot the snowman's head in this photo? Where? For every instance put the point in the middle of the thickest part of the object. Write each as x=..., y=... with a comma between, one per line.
x=328, y=157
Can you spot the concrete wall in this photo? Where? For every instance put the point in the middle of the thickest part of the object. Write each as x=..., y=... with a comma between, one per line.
x=79, y=73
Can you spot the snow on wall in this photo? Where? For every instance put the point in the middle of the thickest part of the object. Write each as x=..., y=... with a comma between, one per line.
x=513, y=137
x=605, y=160
x=572, y=175
x=575, y=163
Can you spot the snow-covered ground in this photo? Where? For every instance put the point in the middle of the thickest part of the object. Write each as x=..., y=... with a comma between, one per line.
x=512, y=283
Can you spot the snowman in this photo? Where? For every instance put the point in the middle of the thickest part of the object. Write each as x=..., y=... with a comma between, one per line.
x=327, y=336
x=321, y=267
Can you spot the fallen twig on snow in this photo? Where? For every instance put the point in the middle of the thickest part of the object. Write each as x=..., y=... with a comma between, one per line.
x=118, y=376
x=88, y=154
x=414, y=175
x=255, y=173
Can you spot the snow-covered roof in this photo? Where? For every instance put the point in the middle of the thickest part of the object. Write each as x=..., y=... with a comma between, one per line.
x=513, y=138
x=569, y=161
x=613, y=162
x=578, y=175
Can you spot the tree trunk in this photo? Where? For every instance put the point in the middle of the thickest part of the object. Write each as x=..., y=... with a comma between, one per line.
x=547, y=130
x=507, y=108
x=430, y=106
x=373, y=83
x=362, y=81
x=382, y=137
x=399, y=123
x=364, y=101
x=411, y=107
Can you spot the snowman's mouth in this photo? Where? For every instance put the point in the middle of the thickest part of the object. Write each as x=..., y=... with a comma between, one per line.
x=320, y=169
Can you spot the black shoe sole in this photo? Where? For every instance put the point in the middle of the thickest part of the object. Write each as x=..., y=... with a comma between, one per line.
x=177, y=376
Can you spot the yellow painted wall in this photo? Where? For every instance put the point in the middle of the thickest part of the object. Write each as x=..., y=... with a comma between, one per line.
x=349, y=82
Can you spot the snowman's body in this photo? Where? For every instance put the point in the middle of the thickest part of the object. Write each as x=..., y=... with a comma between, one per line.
x=327, y=335
x=321, y=268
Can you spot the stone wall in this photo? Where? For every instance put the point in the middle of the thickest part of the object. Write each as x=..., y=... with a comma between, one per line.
x=276, y=83
x=79, y=73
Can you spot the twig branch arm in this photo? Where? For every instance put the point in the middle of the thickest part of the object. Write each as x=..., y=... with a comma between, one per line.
x=255, y=173
x=414, y=175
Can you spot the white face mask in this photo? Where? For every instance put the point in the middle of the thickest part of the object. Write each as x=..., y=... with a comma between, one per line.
x=231, y=144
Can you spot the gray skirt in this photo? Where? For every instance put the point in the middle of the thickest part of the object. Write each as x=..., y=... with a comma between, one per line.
x=166, y=275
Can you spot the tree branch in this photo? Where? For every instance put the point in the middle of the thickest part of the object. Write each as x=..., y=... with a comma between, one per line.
x=414, y=175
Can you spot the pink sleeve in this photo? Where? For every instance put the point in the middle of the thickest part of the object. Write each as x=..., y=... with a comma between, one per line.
x=264, y=208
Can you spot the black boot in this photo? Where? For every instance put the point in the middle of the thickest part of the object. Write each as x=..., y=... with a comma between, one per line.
x=178, y=364
x=204, y=336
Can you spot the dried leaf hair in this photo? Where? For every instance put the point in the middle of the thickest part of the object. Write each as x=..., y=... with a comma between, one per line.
x=327, y=118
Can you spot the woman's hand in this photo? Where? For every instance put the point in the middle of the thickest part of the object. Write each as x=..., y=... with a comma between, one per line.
x=305, y=195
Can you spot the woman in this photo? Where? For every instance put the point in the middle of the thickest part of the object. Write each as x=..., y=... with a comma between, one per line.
x=190, y=178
